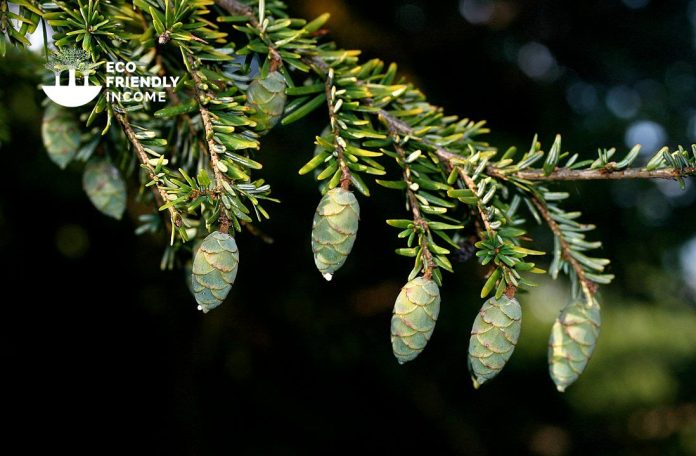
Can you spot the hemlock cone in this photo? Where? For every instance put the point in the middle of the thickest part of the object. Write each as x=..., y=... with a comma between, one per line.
x=493, y=338
x=334, y=229
x=573, y=338
x=105, y=187
x=414, y=317
x=267, y=97
x=214, y=270
x=61, y=134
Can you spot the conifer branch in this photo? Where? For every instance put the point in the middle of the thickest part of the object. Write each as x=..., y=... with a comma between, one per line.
x=451, y=159
x=209, y=134
x=447, y=173
x=471, y=185
x=418, y=220
x=589, y=288
x=339, y=142
x=160, y=194
x=566, y=174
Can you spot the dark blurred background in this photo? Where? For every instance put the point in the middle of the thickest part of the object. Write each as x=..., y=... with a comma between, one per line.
x=104, y=353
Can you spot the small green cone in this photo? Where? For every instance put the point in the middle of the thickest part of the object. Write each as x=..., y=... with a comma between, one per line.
x=414, y=317
x=105, y=187
x=267, y=97
x=214, y=270
x=60, y=131
x=334, y=229
x=573, y=338
x=493, y=338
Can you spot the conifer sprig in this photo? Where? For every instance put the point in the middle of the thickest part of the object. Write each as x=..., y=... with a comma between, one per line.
x=248, y=66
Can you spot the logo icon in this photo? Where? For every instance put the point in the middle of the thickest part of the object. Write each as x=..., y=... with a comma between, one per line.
x=72, y=60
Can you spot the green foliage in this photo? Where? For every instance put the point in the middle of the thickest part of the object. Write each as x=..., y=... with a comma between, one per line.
x=413, y=320
x=507, y=257
x=70, y=58
x=14, y=27
x=91, y=25
x=240, y=70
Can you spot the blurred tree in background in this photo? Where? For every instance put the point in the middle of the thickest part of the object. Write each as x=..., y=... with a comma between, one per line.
x=294, y=365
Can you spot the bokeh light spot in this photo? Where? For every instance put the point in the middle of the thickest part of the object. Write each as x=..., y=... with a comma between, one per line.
x=687, y=261
x=536, y=61
x=653, y=207
x=582, y=97
x=623, y=102
x=476, y=11
x=651, y=135
x=72, y=241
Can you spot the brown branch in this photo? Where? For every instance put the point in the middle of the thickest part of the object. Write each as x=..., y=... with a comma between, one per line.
x=565, y=174
x=209, y=134
x=414, y=205
x=561, y=174
x=339, y=143
x=276, y=59
x=161, y=196
x=472, y=186
x=588, y=286
x=451, y=159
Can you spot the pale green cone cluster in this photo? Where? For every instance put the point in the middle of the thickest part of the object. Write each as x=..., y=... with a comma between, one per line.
x=214, y=270
x=493, y=337
x=105, y=187
x=60, y=131
x=267, y=97
x=573, y=338
x=414, y=317
x=334, y=229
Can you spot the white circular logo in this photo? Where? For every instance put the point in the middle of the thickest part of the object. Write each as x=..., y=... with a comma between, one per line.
x=74, y=61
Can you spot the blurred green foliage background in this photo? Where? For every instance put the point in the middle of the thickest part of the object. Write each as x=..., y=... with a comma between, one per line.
x=101, y=347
